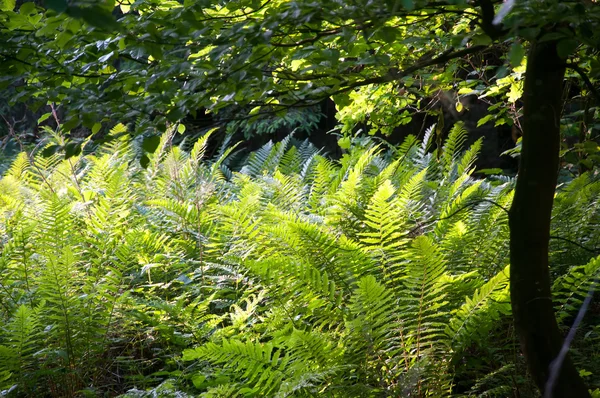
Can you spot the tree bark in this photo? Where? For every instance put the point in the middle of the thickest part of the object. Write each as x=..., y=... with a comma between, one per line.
x=529, y=222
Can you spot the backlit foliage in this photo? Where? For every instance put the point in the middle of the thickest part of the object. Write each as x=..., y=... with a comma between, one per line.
x=381, y=274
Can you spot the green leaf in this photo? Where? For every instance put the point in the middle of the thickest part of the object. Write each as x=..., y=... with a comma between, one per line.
x=529, y=33
x=96, y=127
x=485, y=119
x=566, y=47
x=590, y=147
x=27, y=8
x=493, y=171
x=151, y=143
x=50, y=150
x=109, y=5
x=144, y=161
x=481, y=40
x=501, y=72
x=387, y=34
x=503, y=11
x=72, y=148
x=501, y=121
x=181, y=128
x=344, y=142
x=465, y=90
x=342, y=100
x=44, y=117
x=552, y=36
x=198, y=380
x=584, y=373
x=587, y=163
x=516, y=54
x=516, y=91
x=7, y=5
x=95, y=16
x=174, y=115
x=70, y=124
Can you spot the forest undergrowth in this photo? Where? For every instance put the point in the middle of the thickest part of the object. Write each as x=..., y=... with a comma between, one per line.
x=281, y=273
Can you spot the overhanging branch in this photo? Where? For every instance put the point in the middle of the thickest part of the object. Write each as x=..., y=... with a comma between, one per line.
x=394, y=74
x=390, y=76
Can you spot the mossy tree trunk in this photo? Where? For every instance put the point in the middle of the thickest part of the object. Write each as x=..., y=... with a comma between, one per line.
x=530, y=215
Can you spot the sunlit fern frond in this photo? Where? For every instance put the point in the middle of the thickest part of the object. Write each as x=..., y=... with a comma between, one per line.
x=453, y=147
x=473, y=320
x=423, y=296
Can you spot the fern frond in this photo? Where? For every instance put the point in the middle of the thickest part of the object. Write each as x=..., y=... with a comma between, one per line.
x=479, y=313
x=421, y=157
x=571, y=289
x=373, y=315
x=260, y=366
x=19, y=167
x=468, y=158
x=352, y=189
x=463, y=194
x=199, y=148
x=453, y=146
x=386, y=235
x=266, y=158
x=423, y=297
x=323, y=178
x=22, y=336
x=288, y=191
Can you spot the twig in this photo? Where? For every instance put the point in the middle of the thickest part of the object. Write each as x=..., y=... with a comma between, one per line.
x=575, y=243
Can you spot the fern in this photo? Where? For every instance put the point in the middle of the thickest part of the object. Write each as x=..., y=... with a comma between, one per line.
x=21, y=339
x=383, y=273
x=261, y=366
x=424, y=296
x=371, y=328
x=452, y=149
x=572, y=288
x=474, y=319
x=467, y=160
x=267, y=158
x=423, y=157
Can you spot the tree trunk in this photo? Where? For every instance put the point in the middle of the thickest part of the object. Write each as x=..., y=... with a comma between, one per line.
x=529, y=223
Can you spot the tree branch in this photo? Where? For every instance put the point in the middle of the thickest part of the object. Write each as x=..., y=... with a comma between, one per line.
x=394, y=75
